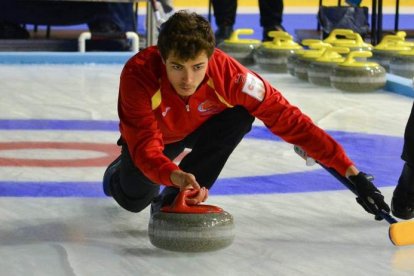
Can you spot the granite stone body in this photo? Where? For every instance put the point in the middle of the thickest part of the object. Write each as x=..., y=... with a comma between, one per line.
x=272, y=60
x=240, y=49
x=319, y=73
x=243, y=53
x=301, y=67
x=383, y=57
x=403, y=65
x=291, y=64
x=358, y=79
x=191, y=232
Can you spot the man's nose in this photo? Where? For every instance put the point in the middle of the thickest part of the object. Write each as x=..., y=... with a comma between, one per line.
x=188, y=76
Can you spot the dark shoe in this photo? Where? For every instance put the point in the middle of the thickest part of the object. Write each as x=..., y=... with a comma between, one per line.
x=266, y=31
x=111, y=174
x=402, y=204
x=223, y=33
x=12, y=31
x=166, y=197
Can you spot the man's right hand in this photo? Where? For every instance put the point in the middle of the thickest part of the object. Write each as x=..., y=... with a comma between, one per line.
x=187, y=181
x=369, y=197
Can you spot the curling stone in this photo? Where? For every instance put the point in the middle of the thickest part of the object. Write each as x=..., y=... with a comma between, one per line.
x=303, y=61
x=195, y=228
x=292, y=59
x=349, y=39
x=336, y=34
x=240, y=49
x=403, y=64
x=273, y=55
x=358, y=76
x=389, y=47
x=320, y=70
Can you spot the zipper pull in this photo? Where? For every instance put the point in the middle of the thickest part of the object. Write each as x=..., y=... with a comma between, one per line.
x=187, y=107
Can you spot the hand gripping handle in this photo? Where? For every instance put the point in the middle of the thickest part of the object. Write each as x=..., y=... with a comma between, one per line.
x=179, y=205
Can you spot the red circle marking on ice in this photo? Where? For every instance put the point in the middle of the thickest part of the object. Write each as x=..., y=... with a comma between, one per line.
x=111, y=151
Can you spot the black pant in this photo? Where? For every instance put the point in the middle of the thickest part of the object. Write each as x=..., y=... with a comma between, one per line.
x=406, y=180
x=408, y=149
x=271, y=12
x=211, y=146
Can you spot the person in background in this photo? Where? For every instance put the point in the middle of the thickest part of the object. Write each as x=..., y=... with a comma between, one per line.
x=185, y=93
x=167, y=8
x=402, y=204
x=271, y=12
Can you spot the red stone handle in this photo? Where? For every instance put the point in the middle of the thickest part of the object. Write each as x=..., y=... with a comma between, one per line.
x=180, y=206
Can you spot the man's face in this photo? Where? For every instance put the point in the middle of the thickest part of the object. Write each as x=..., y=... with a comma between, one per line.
x=186, y=76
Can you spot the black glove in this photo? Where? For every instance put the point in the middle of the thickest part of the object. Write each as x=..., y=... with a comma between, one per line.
x=369, y=196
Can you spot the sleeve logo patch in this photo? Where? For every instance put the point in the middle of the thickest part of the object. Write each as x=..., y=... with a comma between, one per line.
x=254, y=87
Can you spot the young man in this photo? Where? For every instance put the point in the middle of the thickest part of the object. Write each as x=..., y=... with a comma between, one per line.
x=402, y=204
x=184, y=93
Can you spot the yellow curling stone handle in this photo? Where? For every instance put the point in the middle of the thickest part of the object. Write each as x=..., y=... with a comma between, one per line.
x=351, y=62
x=235, y=39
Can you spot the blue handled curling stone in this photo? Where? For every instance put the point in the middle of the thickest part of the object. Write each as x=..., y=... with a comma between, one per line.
x=195, y=228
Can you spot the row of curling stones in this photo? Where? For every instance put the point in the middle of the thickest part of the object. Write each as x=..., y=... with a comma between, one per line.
x=393, y=52
x=326, y=67
x=343, y=38
x=271, y=56
x=195, y=228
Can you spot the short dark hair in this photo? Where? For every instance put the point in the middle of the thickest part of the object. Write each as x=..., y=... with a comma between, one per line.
x=186, y=35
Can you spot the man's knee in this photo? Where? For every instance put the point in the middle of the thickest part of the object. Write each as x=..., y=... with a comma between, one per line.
x=130, y=202
x=244, y=119
x=237, y=121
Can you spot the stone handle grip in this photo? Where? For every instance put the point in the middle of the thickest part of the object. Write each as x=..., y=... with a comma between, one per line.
x=180, y=206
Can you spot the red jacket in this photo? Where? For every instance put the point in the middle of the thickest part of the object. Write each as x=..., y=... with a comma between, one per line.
x=152, y=114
